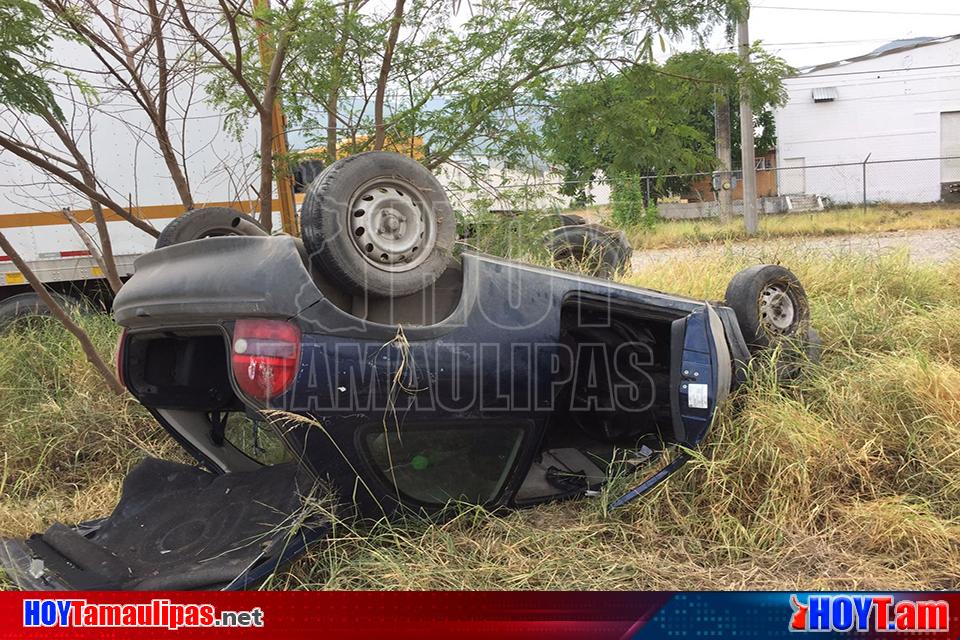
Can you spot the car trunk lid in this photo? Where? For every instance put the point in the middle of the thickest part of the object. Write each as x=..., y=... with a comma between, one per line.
x=176, y=527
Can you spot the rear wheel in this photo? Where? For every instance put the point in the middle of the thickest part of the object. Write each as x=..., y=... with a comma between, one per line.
x=209, y=222
x=378, y=223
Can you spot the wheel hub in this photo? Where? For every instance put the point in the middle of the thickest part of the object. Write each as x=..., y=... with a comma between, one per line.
x=392, y=224
x=777, y=311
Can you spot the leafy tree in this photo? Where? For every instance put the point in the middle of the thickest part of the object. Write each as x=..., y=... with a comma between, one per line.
x=249, y=53
x=24, y=41
x=654, y=119
x=474, y=87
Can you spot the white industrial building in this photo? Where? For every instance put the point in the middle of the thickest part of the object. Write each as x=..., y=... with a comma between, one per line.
x=900, y=102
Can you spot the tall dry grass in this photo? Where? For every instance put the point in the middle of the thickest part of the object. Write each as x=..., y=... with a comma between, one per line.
x=847, y=478
x=844, y=479
x=65, y=439
x=833, y=222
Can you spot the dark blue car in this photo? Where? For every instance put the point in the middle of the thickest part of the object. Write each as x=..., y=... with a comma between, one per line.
x=370, y=370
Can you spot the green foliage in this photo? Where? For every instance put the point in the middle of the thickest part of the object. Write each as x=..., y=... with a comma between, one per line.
x=518, y=236
x=295, y=24
x=655, y=119
x=475, y=87
x=630, y=206
x=24, y=41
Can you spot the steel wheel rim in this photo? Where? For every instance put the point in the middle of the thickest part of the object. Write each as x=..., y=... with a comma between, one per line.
x=392, y=224
x=777, y=309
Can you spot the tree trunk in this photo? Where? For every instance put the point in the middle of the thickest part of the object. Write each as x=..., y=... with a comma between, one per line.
x=380, y=134
x=266, y=167
x=89, y=179
x=173, y=165
x=751, y=219
x=159, y=110
x=60, y=314
x=109, y=269
x=333, y=96
x=106, y=248
x=724, y=156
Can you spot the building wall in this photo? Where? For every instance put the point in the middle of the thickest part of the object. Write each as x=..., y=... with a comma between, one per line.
x=888, y=115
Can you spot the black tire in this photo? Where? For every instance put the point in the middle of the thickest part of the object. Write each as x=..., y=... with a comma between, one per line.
x=571, y=219
x=770, y=304
x=208, y=222
x=378, y=223
x=590, y=248
x=24, y=306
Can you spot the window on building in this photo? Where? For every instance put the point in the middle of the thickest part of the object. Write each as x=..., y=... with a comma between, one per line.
x=825, y=94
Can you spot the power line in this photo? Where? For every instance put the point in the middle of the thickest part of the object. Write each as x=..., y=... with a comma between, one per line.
x=859, y=73
x=875, y=11
x=790, y=44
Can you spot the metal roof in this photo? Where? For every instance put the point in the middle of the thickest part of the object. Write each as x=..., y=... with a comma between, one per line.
x=887, y=49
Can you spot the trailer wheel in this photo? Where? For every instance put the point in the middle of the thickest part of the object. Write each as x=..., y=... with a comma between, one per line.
x=24, y=306
x=590, y=248
x=770, y=304
x=378, y=223
x=208, y=222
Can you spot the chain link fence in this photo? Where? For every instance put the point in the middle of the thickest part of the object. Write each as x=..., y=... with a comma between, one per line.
x=793, y=186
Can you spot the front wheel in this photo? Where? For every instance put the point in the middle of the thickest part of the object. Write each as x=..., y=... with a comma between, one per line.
x=590, y=249
x=770, y=304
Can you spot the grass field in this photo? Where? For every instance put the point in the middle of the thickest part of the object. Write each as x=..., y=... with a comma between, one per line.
x=676, y=233
x=846, y=479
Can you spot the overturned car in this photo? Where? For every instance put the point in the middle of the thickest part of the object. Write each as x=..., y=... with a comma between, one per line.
x=371, y=364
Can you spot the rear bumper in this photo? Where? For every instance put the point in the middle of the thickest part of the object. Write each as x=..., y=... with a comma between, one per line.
x=207, y=280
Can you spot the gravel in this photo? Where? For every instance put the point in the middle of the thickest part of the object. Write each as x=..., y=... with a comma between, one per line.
x=935, y=246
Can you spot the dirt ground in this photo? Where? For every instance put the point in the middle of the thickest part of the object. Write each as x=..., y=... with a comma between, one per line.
x=937, y=245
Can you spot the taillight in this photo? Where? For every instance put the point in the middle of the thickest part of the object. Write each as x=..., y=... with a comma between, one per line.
x=265, y=356
x=118, y=364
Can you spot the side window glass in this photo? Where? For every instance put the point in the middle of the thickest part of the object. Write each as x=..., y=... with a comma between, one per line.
x=257, y=440
x=434, y=466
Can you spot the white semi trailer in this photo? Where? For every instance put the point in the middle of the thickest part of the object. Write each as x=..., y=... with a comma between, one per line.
x=117, y=138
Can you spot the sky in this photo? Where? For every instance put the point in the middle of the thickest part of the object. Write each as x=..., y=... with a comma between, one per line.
x=818, y=31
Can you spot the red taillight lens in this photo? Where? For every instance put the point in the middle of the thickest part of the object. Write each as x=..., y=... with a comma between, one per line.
x=265, y=356
x=118, y=364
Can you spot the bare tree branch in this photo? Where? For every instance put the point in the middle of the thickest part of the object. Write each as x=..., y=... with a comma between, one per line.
x=14, y=147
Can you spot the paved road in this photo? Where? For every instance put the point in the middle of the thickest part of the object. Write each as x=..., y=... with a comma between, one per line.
x=924, y=246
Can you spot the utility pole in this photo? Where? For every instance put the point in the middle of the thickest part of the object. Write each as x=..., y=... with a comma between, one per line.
x=747, y=159
x=721, y=116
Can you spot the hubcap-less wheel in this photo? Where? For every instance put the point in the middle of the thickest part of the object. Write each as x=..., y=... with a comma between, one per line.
x=777, y=313
x=392, y=224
